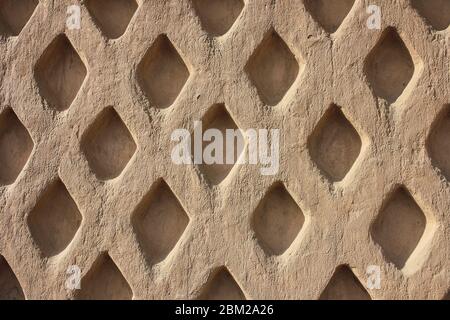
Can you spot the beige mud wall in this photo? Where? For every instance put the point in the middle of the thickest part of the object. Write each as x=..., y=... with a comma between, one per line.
x=87, y=180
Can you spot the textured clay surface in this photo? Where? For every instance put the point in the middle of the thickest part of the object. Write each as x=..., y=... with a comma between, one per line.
x=87, y=180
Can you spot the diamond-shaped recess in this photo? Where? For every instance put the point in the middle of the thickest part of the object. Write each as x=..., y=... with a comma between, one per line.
x=438, y=143
x=218, y=16
x=162, y=73
x=219, y=121
x=221, y=286
x=329, y=13
x=277, y=220
x=112, y=16
x=10, y=288
x=399, y=227
x=334, y=144
x=54, y=220
x=108, y=145
x=14, y=15
x=104, y=281
x=15, y=147
x=344, y=286
x=436, y=12
x=273, y=68
x=159, y=221
x=390, y=66
x=60, y=73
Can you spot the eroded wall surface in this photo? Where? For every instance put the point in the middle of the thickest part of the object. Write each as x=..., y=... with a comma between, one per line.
x=87, y=182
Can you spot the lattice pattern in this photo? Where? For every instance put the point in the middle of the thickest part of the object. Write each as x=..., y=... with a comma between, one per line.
x=87, y=179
